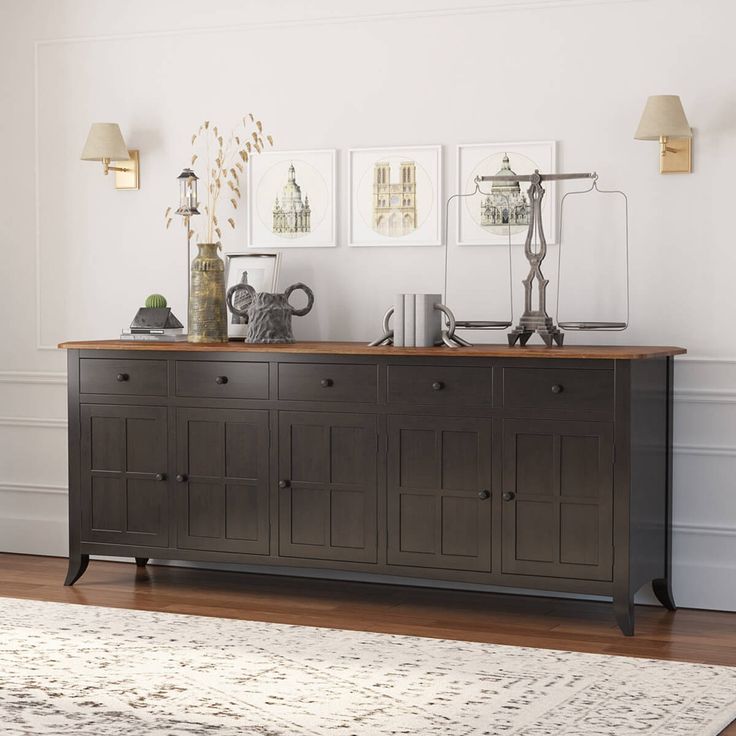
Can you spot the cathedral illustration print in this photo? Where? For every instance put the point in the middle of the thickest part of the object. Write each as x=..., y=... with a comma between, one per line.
x=291, y=216
x=394, y=203
x=507, y=204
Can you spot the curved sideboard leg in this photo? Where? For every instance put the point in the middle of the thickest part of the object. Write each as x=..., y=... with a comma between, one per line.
x=662, y=588
x=623, y=608
x=141, y=561
x=77, y=565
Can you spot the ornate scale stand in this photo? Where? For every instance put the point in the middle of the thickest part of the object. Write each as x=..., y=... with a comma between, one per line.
x=535, y=320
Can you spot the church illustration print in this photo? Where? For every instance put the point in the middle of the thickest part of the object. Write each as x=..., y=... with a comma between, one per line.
x=291, y=216
x=394, y=203
x=507, y=204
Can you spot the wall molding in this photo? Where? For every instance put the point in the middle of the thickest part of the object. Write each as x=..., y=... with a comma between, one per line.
x=34, y=377
x=712, y=450
x=705, y=396
x=705, y=530
x=43, y=488
x=34, y=422
x=500, y=6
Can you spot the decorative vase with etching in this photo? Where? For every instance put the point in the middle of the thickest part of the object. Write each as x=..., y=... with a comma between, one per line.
x=207, y=310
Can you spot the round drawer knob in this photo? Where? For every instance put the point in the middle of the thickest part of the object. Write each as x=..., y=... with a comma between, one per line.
x=438, y=386
x=284, y=484
x=160, y=476
x=557, y=389
x=483, y=495
x=326, y=382
x=509, y=496
x=181, y=478
x=122, y=377
x=221, y=380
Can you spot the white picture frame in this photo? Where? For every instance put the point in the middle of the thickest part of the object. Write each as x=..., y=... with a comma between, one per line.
x=395, y=220
x=263, y=275
x=488, y=159
x=315, y=174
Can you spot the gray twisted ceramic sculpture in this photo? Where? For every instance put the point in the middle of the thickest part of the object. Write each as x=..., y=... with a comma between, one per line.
x=268, y=315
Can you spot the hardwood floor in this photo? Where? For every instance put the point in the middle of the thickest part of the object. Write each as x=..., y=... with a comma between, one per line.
x=580, y=626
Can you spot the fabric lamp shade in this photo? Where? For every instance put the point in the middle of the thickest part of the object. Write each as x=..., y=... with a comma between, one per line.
x=663, y=117
x=105, y=141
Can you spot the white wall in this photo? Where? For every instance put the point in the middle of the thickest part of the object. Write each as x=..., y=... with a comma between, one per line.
x=79, y=257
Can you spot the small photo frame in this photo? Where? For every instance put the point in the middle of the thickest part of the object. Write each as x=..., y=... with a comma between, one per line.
x=395, y=196
x=291, y=199
x=485, y=219
x=260, y=270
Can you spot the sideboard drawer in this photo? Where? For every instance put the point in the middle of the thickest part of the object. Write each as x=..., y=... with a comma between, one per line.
x=113, y=376
x=568, y=389
x=328, y=382
x=221, y=379
x=439, y=385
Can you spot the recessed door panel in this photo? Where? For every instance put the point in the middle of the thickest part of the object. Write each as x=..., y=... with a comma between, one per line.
x=439, y=492
x=123, y=473
x=223, y=480
x=327, y=495
x=558, y=495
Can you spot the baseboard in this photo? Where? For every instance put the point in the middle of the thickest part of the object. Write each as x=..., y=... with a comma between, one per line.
x=34, y=536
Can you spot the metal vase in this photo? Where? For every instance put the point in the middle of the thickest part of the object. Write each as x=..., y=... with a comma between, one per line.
x=207, y=310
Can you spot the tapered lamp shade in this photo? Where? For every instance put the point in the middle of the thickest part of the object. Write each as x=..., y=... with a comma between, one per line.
x=105, y=141
x=663, y=117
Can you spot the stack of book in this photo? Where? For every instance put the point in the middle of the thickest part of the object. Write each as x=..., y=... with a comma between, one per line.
x=171, y=334
x=416, y=322
x=155, y=324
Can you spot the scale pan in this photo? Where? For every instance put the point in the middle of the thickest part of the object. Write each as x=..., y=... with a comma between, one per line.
x=592, y=325
x=481, y=325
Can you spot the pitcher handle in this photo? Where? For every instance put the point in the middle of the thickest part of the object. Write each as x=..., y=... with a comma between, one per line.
x=231, y=292
x=310, y=299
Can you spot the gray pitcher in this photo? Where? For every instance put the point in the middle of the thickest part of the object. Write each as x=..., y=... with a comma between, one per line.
x=268, y=315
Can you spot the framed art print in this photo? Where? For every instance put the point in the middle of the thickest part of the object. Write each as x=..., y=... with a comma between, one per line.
x=291, y=199
x=260, y=270
x=487, y=217
x=395, y=196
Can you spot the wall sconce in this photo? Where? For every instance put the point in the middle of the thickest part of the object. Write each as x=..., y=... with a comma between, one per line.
x=664, y=120
x=105, y=143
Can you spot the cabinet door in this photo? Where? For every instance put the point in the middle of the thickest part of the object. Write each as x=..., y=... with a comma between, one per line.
x=124, y=489
x=327, y=494
x=439, y=484
x=222, y=488
x=557, y=510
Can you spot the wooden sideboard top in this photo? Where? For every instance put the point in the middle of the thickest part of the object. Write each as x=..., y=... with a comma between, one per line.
x=600, y=352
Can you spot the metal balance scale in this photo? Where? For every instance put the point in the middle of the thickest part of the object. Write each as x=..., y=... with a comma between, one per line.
x=536, y=320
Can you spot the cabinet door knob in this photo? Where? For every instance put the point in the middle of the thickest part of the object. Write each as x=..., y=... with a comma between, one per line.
x=326, y=382
x=181, y=478
x=438, y=385
x=483, y=495
x=160, y=476
x=509, y=496
x=122, y=377
x=221, y=380
x=284, y=484
x=557, y=389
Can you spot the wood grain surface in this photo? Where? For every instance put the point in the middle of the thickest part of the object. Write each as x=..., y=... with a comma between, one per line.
x=600, y=352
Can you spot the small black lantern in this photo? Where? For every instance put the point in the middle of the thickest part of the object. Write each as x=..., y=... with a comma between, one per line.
x=188, y=201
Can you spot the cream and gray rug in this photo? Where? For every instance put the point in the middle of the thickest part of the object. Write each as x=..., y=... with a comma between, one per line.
x=73, y=669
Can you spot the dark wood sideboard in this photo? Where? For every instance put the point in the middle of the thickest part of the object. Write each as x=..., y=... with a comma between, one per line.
x=535, y=468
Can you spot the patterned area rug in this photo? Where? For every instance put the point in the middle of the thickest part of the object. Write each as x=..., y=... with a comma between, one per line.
x=73, y=669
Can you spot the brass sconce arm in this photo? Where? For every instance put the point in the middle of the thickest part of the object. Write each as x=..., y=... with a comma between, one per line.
x=106, y=168
x=663, y=147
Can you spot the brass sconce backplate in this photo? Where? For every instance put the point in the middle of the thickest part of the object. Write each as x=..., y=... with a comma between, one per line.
x=127, y=179
x=678, y=158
